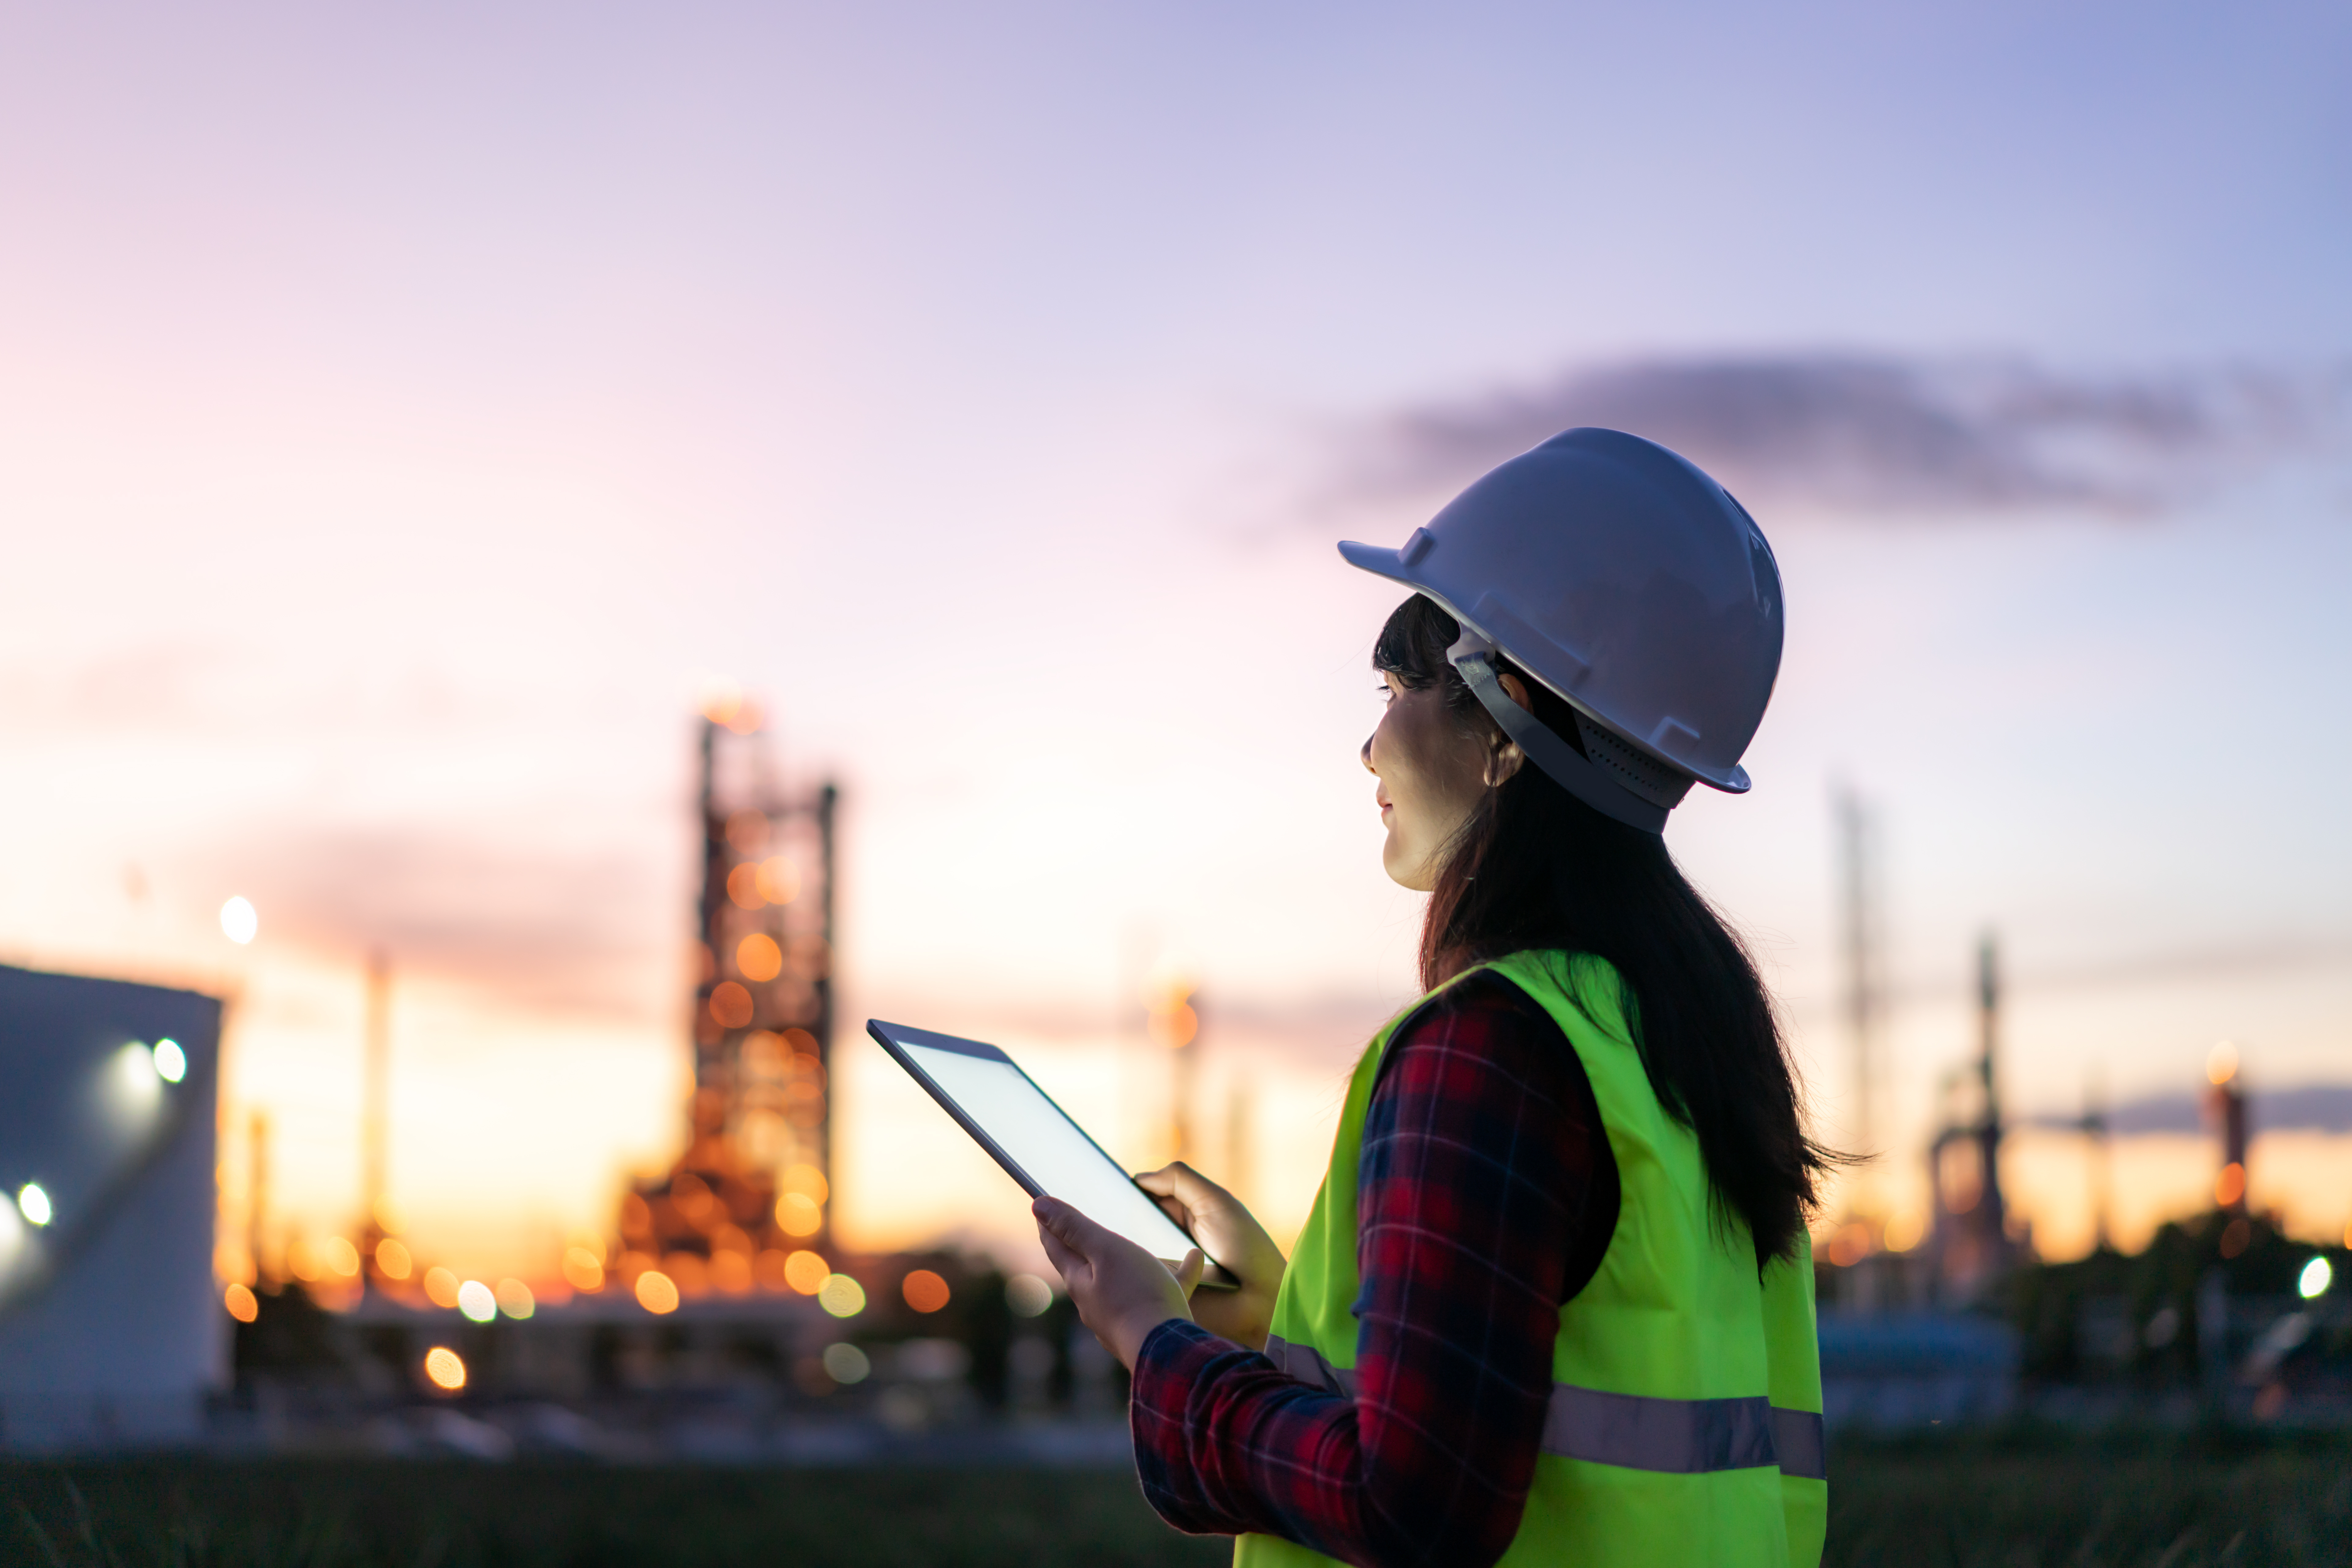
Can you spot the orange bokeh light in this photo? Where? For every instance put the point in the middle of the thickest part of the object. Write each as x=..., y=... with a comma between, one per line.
x=758, y=958
x=391, y=1259
x=730, y=1273
x=580, y=1269
x=806, y=1272
x=687, y=1272
x=730, y=1005
x=797, y=1214
x=2230, y=1186
x=446, y=1367
x=440, y=1287
x=925, y=1291
x=779, y=880
x=743, y=887
x=656, y=1292
x=808, y=1181
x=242, y=1303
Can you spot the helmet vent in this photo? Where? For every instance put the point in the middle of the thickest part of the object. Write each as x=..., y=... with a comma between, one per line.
x=1660, y=783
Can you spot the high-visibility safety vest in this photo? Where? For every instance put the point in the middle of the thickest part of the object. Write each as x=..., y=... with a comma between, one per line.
x=1684, y=1426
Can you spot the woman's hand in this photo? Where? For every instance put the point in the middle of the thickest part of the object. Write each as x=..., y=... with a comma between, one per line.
x=1122, y=1292
x=1216, y=1219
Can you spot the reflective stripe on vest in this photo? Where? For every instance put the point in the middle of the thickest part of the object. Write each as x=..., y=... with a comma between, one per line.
x=1673, y=1436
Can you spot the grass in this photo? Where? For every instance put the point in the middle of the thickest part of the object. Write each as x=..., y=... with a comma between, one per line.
x=2056, y=1501
x=2021, y=1501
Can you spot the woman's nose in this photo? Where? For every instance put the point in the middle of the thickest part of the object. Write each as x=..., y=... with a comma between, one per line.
x=1367, y=755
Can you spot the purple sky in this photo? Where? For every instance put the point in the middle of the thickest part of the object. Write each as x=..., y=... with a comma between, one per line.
x=401, y=418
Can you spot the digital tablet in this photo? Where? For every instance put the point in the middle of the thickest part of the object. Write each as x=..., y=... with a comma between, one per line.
x=1034, y=1138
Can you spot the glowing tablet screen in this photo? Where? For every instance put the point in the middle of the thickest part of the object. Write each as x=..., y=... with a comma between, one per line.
x=1031, y=1136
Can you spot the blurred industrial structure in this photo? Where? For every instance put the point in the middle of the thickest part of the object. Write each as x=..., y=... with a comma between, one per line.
x=754, y=1184
x=110, y=1325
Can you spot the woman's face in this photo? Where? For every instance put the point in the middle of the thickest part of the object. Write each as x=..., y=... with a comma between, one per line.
x=1432, y=769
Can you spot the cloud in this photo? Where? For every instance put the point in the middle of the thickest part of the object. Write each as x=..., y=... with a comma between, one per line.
x=1883, y=434
x=2312, y=1108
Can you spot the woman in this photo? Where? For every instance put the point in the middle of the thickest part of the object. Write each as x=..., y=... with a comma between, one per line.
x=1554, y=1303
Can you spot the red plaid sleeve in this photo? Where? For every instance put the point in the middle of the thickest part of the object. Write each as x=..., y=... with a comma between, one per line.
x=1486, y=1196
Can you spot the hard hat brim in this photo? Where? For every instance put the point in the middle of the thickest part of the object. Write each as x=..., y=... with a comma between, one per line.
x=1379, y=560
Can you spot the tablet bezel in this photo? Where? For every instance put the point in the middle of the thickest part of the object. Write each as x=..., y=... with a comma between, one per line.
x=1214, y=1277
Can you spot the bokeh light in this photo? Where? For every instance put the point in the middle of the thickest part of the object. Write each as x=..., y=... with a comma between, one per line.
x=656, y=1292
x=758, y=958
x=806, y=1180
x=32, y=1203
x=391, y=1259
x=440, y=1287
x=730, y=1005
x=2230, y=1185
x=446, y=1368
x=845, y=1363
x=342, y=1257
x=478, y=1301
x=2316, y=1277
x=240, y=923
x=170, y=1061
x=806, y=1272
x=743, y=887
x=842, y=1296
x=797, y=1214
x=581, y=1272
x=779, y=880
x=1027, y=1295
x=730, y=1273
x=242, y=1303
x=924, y=1290
x=2222, y=1063
x=514, y=1298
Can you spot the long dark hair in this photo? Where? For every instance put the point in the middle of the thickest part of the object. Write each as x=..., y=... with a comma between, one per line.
x=1534, y=867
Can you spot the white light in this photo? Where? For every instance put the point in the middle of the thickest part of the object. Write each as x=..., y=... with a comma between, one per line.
x=35, y=1203
x=2316, y=1277
x=478, y=1301
x=170, y=1061
x=238, y=920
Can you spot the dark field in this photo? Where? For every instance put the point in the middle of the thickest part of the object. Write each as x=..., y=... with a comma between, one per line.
x=2162, y=1504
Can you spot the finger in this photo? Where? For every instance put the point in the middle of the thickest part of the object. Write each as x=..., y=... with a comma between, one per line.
x=1160, y=1183
x=1189, y=1272
x=1065, y=1262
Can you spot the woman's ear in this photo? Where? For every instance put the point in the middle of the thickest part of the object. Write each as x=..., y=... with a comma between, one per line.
x=1504, y=756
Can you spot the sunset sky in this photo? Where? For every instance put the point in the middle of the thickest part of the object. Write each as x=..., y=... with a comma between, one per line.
x=405, y=418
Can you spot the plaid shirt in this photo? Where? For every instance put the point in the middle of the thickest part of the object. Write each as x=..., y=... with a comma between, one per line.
x=1486, y=1197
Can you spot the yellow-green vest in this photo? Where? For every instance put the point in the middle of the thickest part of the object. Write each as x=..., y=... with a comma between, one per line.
x=1686, y=1422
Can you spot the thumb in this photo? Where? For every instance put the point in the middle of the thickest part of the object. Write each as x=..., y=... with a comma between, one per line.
x=1189, y=1272
x=1054, y=1215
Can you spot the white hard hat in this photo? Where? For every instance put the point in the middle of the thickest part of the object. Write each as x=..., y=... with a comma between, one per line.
x=1620, y=576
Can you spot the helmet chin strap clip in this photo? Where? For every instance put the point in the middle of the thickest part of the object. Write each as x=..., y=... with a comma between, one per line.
x=1474, y=656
